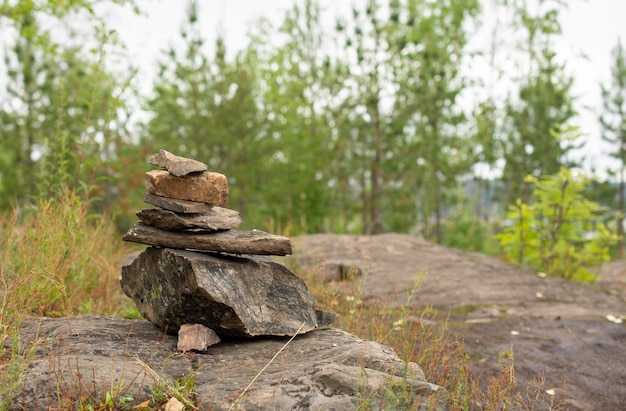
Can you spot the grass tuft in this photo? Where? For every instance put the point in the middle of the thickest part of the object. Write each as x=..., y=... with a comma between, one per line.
x=420, y=335
x=55, y=260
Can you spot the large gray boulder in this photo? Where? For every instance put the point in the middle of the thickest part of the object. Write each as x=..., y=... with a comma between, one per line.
x=86, y=357
x=234, y=296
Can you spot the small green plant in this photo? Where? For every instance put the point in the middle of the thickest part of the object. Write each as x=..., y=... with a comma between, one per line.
x=114, y=400
x=182, y=389
x=467, y=227
x=560, y=232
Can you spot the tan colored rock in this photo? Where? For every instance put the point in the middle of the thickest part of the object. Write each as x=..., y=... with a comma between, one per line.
x=174, y=405
x=179, y=166
x=217, y=218
x=175, y=205
x=196, y=337
x=235, y=242
x=205, y=187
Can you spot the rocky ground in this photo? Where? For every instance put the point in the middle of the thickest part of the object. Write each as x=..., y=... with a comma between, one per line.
x=559, y=331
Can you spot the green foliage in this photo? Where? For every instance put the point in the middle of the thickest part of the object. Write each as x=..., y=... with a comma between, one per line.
x=613, y=120
x=297, y=78
x=467, y=230
x=53, y=251
x=543, y=102
x=63, y=113
x=560, y=232
x=14, y=10
x=205, y=107
x=181, y=389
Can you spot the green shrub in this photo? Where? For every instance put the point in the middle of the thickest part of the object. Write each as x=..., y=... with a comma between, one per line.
x=466, y=231
x=560, y=232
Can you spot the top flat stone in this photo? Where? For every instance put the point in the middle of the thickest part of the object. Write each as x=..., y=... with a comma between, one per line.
x=179, y=166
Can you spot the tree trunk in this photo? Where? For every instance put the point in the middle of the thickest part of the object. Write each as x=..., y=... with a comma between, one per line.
x=620, y=222
x=366, y=205
x=375, y=223
x=437, y=193
x=376, y=226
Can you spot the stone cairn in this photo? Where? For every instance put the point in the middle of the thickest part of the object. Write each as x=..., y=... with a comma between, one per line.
x=200, y=277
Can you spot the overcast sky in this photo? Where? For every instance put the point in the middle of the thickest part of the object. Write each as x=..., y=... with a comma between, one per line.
x=590, y=28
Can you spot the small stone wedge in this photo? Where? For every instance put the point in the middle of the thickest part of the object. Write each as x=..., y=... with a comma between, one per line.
x=179, y=166
x=218, y=218
x=175, y=287
x=234, y=242
x=196, y=337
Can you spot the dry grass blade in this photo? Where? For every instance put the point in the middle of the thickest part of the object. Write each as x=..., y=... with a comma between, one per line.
x=265, y=367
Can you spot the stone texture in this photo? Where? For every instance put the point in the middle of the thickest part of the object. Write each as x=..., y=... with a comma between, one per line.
x=86, y=356
x=179, y=166
x=235, y=242
x=338, y=271
x=196, y=337
x=234, y=296
x=322, y=370
x=175, y=205
x=218, y=218
x=205, y=187
x=174, y=405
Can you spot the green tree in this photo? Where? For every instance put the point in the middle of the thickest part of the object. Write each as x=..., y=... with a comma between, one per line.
x=206, y=108
x=560, y=232
x=544, y=102
x=403, y=86
x=299, y=97
x=63, y=113
x=367, y=140
x=437, y=44
x=16, y=9
x=613, y=121
x=181, y=106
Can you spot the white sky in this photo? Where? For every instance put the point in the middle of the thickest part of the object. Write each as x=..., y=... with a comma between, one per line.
x=590, y=28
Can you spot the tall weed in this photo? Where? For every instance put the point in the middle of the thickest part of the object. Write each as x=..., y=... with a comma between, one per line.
x=55, y=260
x=58, y=260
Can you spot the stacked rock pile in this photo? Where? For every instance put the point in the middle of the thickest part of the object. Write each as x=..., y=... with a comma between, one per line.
x=200, y=270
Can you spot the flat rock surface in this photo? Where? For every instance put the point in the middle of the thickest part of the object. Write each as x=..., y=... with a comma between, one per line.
x=230, y=241
x=176, y=205
x=557, y=329
x=217, y=218
x=325, y=369
x=85, y=356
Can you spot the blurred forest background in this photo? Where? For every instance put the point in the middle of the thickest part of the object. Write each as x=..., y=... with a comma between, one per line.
x=371, y=124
